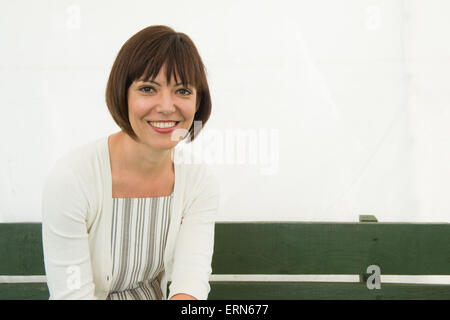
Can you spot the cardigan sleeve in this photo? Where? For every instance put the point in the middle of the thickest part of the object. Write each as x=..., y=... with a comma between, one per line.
x=65, y=237
x=195, y=242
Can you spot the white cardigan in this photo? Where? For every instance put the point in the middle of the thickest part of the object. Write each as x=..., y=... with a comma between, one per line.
x=76, y=225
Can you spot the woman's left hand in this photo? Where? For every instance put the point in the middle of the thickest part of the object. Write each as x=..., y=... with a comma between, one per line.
x=182, y=296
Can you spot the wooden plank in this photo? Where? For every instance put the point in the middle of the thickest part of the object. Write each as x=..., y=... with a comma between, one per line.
x=273, y=290
x=283, y=248
x=367, y=218
x=324, y=291
x=331, y=248
x=21, y=249
x=24, y=291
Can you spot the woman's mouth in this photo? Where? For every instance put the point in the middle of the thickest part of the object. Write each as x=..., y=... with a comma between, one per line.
x=163, y=126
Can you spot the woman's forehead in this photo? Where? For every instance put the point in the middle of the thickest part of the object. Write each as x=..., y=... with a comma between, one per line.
x=163, y=77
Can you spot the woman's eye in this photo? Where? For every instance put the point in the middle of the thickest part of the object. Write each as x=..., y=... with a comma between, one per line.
x=147, y=91
x=185, y=92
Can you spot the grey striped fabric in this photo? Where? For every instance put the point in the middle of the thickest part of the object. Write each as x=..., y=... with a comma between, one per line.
x=138, y=238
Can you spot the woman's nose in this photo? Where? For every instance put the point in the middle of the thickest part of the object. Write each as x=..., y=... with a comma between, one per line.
x=166, y=102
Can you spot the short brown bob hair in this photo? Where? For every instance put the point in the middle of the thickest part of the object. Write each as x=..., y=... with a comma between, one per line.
x=141, y=57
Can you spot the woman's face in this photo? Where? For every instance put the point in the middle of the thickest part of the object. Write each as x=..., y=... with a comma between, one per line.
x=152, y=102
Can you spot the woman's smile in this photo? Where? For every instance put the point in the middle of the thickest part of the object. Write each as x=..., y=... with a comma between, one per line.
x=163, y=126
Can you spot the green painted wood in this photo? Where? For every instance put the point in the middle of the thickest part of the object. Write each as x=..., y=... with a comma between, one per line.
x=24, y=291
x=21, y=249
x=281, y=248
x=367, y=218
x=274, y=290
x=324, y=291
x=331, y=248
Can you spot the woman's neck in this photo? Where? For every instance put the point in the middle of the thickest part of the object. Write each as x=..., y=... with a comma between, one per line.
x=137, y=158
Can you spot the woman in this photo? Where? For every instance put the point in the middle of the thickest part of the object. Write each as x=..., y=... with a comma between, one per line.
x=124, y=215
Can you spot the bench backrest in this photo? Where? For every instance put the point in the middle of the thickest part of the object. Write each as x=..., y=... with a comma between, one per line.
x=299, y=248
x=21, y=255
x=279, y=248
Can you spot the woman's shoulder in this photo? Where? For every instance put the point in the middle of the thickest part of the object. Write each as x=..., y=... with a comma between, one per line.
x=198, y=172
x=190, y=161
x=78, y=159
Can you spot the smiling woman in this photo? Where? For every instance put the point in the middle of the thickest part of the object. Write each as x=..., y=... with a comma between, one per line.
x=120, y=210
x=164, y=106
x=140, y=62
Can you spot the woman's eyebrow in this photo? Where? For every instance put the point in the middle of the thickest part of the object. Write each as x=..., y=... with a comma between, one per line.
x=177, y=84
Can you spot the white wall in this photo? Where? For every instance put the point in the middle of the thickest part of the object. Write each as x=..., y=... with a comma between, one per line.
x=348, y=101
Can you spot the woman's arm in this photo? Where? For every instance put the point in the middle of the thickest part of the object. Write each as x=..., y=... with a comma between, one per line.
x=195, y=241
x=65, y=238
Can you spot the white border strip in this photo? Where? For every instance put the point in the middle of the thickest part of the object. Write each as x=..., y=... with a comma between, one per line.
x=415, y=279
x=22, y=279
x=406, y=279
x=422, y=279
x=285, y=278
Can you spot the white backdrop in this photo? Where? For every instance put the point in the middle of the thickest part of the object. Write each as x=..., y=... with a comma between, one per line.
x=340, y=108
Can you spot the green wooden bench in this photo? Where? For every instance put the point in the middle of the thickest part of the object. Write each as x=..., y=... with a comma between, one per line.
x=282, y=248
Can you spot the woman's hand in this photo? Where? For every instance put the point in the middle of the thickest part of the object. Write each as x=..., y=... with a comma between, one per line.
x=182, y=296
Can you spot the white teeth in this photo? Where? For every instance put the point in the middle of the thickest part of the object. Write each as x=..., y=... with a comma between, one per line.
x=162, y=124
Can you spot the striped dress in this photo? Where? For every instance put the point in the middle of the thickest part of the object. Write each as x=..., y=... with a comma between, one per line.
x=138, y=238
